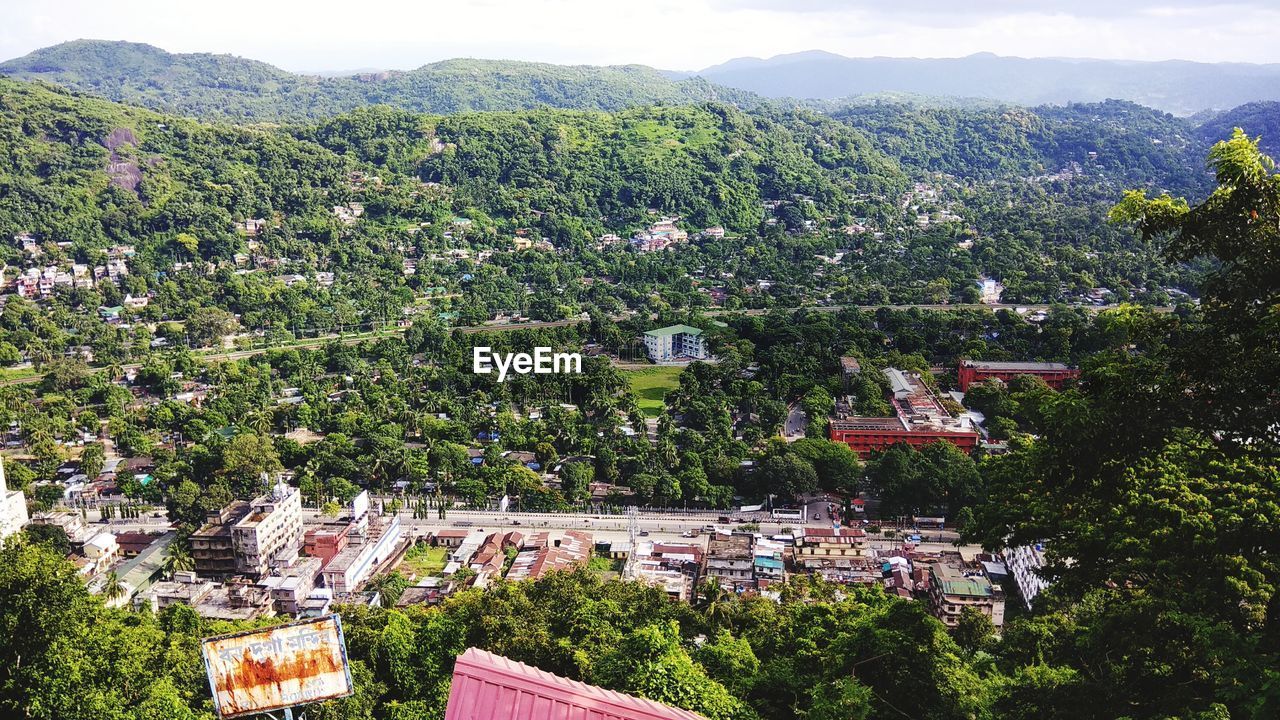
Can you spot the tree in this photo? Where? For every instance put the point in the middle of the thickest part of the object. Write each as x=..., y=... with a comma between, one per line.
x=178, y=559
x=112, y=587
x=974, y=630
x=575, y=480
x=650, y=662
x=789, y=475
x=92, y=460
x=208, y=325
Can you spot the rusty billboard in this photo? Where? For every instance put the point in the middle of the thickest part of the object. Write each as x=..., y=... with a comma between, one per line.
x=275, y=668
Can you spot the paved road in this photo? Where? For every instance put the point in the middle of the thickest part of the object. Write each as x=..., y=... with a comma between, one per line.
x=794, y=427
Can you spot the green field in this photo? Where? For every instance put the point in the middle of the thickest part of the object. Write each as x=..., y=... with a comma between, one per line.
x=422, y=560
x=651, y=386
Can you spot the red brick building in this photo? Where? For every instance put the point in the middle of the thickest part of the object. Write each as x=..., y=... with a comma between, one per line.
x=919, y=419
x=974, y=371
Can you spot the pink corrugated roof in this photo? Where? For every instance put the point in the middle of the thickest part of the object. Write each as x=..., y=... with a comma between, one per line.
x=491, y=687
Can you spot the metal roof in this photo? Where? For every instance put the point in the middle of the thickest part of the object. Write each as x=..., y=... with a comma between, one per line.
x=487, y=687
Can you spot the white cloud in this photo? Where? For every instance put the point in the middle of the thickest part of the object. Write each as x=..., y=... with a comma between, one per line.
x=328, y=34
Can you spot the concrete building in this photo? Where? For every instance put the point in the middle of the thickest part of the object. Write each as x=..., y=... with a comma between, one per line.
x=842, y=548
x=186, y=587
x=953, y=587
x=290, y=587
x=676, y=342
x=13, y=508
x=365, y=551
x=211, y=546
x=1023, y=562
x=271, y=534
x=730, y=561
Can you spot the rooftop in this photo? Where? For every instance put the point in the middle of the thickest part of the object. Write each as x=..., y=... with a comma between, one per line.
x=491, y=686
x=1023, y=366
x=674, y=330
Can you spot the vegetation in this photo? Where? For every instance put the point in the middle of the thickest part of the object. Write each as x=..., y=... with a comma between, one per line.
x=651, y=387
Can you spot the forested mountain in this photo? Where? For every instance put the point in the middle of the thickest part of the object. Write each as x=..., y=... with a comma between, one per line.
x=1257, y=119
x=1116, y=140
x=226, y=87
x=84, y=169
x=1174, y=86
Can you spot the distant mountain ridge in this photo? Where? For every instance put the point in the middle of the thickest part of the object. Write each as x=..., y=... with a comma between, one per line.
x=233, y=88
x=1176, y=86
x=226, y=87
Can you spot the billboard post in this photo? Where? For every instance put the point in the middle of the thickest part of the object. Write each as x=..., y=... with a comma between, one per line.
x=258, y=672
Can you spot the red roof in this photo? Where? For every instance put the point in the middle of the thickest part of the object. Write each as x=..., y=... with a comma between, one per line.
x=491, y=687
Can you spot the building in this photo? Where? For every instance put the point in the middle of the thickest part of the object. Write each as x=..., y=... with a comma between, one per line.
x=818, y=548
x=671, y=567
x=13, y=508
x=850, y=369
x=271, y=534
x=1055, y=375
x=919, y=419
x=326, y=541
x=730, y=561
x=365, y=551
x=677, y=342
x=954, y=587
x=290, y=587
x=539, y=556
x=102, y=551
x=487, y=686
x=211, y=546
x=186, y=587
x=1023, y=562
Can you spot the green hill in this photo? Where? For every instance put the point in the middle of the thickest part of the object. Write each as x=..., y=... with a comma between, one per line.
x=226, y=87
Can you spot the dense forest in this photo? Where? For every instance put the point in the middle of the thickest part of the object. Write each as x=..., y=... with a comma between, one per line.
x=230, y=88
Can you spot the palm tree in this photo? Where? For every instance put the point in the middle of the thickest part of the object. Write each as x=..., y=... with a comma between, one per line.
x=716, y=603
x=177, y=559
x=112, y=587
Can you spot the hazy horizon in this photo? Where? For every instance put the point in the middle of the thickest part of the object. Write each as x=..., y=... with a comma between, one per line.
x=330, y=37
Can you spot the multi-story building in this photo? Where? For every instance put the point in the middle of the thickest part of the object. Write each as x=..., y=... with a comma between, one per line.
x=1055, y=375
x=13, y=508
x=730, y=561
x=919, y=419
x=953, y=587
x=676, y=342
x=271, y=534
x=211, y=547
x=1023, y=562
x=819, y=548
x=365, y=551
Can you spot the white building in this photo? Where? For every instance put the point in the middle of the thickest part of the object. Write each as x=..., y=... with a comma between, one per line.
x=1023, y=561
x=271, y=534
x=677, y=342
x=13, y=508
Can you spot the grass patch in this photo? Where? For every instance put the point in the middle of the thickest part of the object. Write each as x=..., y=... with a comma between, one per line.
x=651, y=386
x=422, y=560
x=606, y=568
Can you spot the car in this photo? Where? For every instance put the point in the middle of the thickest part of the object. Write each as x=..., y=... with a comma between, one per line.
x=644, y=533
x=687, y=534
x=817, y=516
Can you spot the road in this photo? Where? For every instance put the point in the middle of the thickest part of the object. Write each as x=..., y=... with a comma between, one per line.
x=794, y=427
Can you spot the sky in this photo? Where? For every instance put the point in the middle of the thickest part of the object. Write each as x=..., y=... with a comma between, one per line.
x=332, y=35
